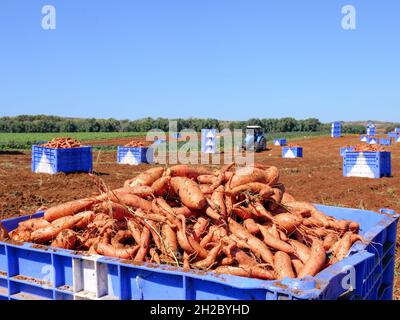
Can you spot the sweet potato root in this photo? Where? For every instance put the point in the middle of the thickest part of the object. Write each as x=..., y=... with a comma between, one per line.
x=283, y=266
x=189, y=192
x=68, y=209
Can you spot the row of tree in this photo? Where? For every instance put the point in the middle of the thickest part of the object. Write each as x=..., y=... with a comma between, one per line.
x=44, y=123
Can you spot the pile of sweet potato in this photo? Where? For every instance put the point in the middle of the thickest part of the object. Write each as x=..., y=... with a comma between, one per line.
x=368, y=148
x=237, y=221
x=137, y=144
x=62, y=143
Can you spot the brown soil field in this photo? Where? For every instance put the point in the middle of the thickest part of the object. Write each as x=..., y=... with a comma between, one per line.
x=317, y=178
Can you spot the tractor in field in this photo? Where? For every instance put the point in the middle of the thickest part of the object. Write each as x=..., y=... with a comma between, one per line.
x=255, y=139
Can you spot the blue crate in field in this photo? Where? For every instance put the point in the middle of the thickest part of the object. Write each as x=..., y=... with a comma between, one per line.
x=134, y=155
x=367, y=164
x=51, y=160
x=393, y=135
x=209, y=140
x=364, y=138
x=280, y=142
x=371, y=131
x=345, y=149
x=385, y=141
x=336, y=134
x=30, y=271
x=292, y=152
x=373, y=140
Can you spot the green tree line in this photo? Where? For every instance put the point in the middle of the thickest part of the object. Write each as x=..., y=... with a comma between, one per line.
x=44, y=123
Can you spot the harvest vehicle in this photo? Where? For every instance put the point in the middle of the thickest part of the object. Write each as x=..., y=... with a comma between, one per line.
x=255, y=139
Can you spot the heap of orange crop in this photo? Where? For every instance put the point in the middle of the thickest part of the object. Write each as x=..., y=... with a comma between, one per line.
x=62, y=143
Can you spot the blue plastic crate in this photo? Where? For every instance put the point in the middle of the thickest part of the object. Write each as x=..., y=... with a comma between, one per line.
x=280, y=142
x=209, y=140
x=50, y=160
x=364, y=138
x=29, y=271
x=336, y=124
x=373, y=140
x=367, y=164
x=134, y=155
x=385, y=141
x=292, y=152
x=336, y=134
x=371, y=131
x=393, y=135
x=345, y=149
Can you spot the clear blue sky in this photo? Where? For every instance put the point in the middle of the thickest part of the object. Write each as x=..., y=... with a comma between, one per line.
x=227, y=59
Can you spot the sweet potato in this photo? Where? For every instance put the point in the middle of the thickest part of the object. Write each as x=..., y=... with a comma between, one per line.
x=254, y=187
x=344, y=246
x=144, y=245
x=297, y=265
x=116, y=210
x=108, y=250
x=87, y=217
x=302, y=251
x=68, y=209
x=283, y=266
x=51, y=231
x=33, y=224
x=134, y=201
x=140, y=191
x=218, y=199
x=316, y=261
x=275, y=243
x=20, y=235
x=169, y=240
x=210, y=259
x=191, y=172
x=160, y=186
x=287, y=222
x=189, y=192
x=154, y=257
x=66, y=239
x=330, y=240
x=246, y=271
x=256, y=245
x=251, y=226
x=146, y=178
x=206, y=189
x=135, y=231
x=242, y=212
x=246, y=175
x=199, y=228
x=206, y=179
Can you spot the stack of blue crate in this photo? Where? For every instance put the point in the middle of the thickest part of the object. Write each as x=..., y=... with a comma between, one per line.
x=371, y=130
x=208, y=140
x=336, y=131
